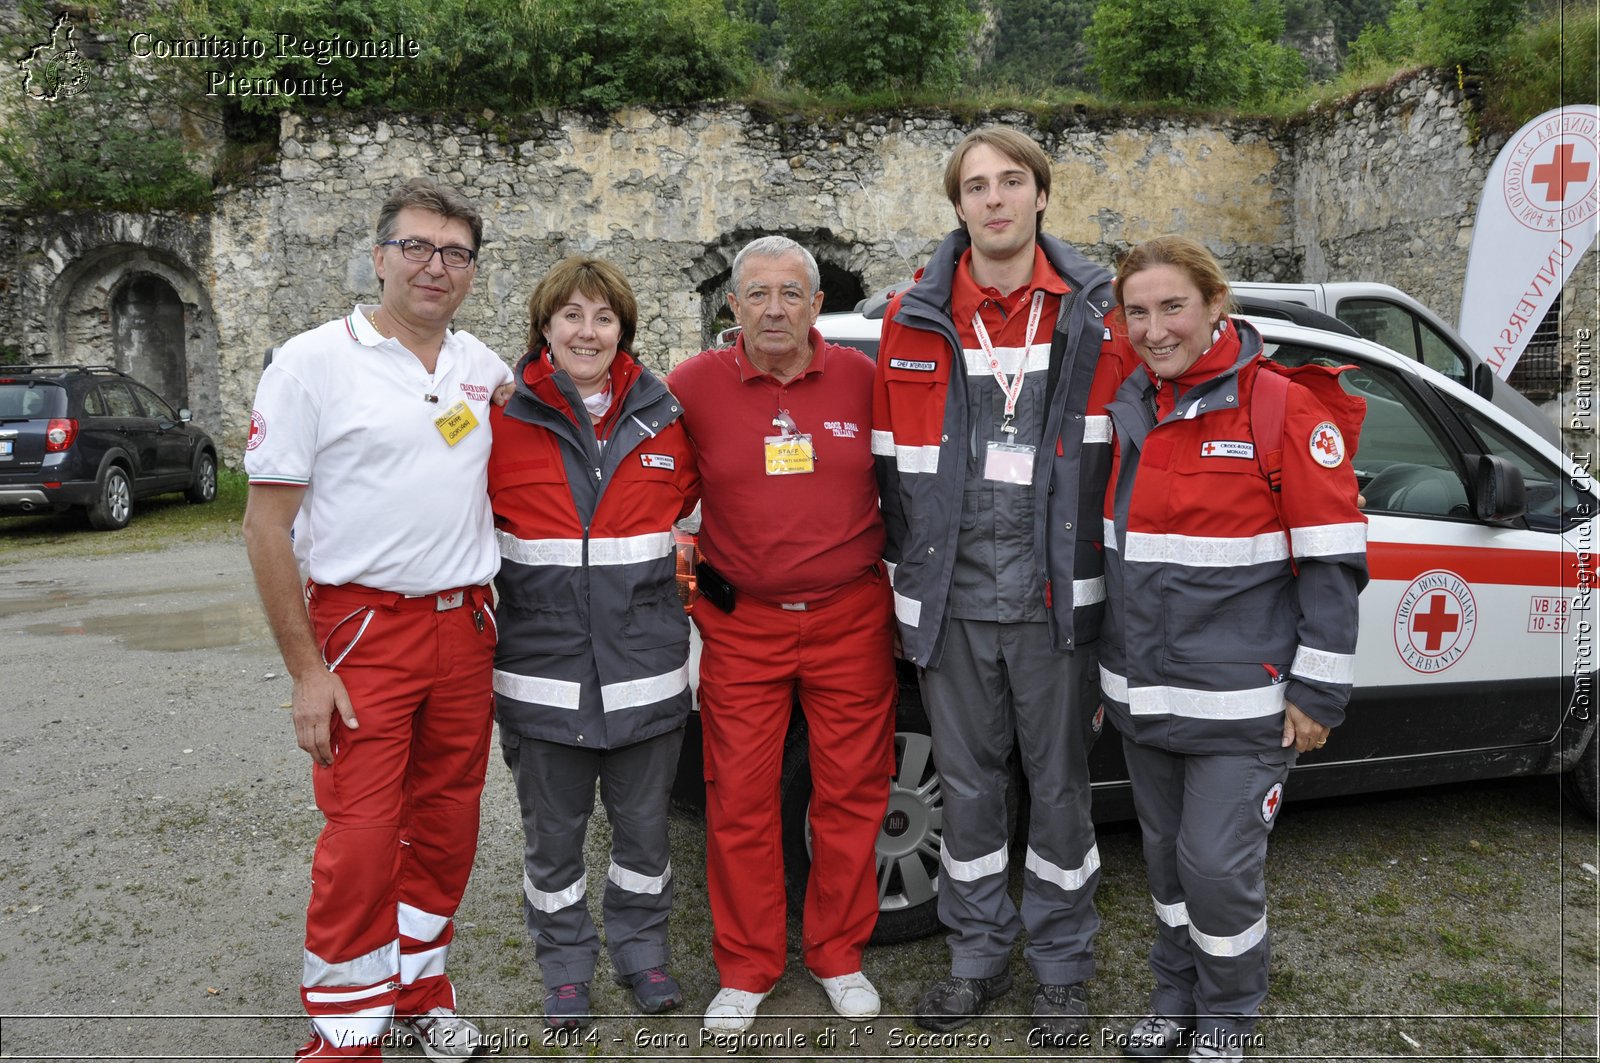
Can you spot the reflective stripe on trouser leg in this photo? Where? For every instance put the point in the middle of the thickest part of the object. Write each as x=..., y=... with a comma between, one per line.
x=636, y=787
x=847, y=688
x=1054, y=697
x=969, y=710
x=749, y=665
x=555, y=791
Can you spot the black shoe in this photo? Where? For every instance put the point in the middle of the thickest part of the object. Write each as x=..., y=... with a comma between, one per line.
x=654, y=990
x=566, y=1007
x=953, y=1002
x=1061, y=1014
x=1152, y=1037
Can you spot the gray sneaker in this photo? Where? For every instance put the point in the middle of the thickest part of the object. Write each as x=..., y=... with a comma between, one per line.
x=1152, y=1037
x=566, y=1007
x=1228, y=1053
x=442, y=1034
x=953, y=1002
x=1061, y=1014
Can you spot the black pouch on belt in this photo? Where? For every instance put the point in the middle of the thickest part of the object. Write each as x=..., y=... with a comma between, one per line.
x=713, y=587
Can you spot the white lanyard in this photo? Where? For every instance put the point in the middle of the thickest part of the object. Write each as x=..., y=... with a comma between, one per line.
x=1011, y=390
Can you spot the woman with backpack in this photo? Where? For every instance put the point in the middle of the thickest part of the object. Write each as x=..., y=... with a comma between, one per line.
x=1230, y=632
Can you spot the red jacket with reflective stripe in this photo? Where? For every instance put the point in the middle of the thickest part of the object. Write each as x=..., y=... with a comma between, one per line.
x=1208, y=629
x=594, y=643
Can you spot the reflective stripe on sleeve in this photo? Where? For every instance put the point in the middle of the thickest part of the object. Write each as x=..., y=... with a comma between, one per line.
x=972, y=870
x=568, y=553
x=631, y=549
x=1108, y=535
x=1324, y=666
x=1202, y=551
x=556, y=693
x=907, y=459
x=646, y=691
x=634, y=882
x=1192, y=704
x=1069, y=880
x=1232, y=944
x=1330, y=540
x=554, y=902
x=1088, y=591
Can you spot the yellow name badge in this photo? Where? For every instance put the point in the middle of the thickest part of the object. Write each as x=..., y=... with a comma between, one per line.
x=455, y=423
x=789, y=455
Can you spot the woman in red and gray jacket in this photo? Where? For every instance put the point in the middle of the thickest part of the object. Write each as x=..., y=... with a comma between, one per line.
x=590, y=469
x=1230, y=630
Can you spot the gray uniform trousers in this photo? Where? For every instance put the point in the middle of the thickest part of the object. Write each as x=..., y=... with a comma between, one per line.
x=555, y=787
x=1205, y=821
x=998, y=685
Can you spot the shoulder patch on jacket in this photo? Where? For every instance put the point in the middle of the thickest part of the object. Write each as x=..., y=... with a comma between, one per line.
x=1327, y=445
x=914, y=366
x=658, y=461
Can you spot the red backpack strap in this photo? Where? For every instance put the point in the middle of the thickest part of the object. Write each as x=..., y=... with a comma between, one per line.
x=1267, y=404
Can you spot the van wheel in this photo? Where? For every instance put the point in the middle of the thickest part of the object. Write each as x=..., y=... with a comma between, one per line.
x=113, y=506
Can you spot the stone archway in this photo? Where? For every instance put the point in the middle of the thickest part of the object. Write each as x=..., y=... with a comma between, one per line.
x=143, y=310
x=147, y=329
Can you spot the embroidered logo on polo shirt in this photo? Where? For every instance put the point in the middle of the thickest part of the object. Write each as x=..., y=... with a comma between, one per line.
x=1227, y=448
x=658, y=461
x=258, y=430
x=475, y=392
x=842, y=429
x=917, y=367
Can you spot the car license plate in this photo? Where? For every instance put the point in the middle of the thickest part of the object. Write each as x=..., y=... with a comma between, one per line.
x=5, y=449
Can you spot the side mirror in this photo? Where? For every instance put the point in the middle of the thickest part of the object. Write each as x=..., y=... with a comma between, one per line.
x=185, y=414
x=1483, y=380
x=1498, y=494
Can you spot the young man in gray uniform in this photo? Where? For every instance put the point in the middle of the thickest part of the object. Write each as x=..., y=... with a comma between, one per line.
x=992, y=482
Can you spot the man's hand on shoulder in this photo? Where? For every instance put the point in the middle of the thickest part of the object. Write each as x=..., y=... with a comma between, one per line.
x=317, y=696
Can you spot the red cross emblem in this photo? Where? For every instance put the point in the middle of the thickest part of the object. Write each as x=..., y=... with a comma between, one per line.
x=258, y=430
x=1436, y=623
x=1327, y=445
x=1270, y=803
x=1209, y=449
x=1562, y=170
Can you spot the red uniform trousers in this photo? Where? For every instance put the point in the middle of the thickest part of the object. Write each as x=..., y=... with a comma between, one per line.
x=838, y=655
x=401, y=804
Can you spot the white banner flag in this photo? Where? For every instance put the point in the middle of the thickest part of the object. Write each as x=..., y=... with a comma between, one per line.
x=1536, y=220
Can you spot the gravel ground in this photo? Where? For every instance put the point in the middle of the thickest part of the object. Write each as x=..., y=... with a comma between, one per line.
x=157, y=823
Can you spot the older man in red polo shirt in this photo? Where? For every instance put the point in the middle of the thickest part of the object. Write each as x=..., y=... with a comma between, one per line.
x=796, y=601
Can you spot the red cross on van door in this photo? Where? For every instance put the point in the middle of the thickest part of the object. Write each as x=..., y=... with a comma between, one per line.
x=1436, y=623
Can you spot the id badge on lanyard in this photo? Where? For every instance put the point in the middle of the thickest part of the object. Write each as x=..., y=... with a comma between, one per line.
x=1007, y=460
x=789, y=453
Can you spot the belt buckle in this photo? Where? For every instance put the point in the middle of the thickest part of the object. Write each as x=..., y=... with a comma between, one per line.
x=443, y=603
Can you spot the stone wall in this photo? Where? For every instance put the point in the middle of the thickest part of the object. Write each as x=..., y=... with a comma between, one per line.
x=1379, y=188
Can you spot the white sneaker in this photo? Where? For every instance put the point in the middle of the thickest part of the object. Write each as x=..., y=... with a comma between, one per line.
x=851, y=995
x=732, y=1010
x=442, y=1034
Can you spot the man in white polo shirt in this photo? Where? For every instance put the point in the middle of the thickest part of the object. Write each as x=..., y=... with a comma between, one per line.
x=369, y=445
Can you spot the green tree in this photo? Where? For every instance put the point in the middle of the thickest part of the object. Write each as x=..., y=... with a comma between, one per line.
x=1471, y=34
x=1042, y=43
x=1201, y=52
x=859, y=46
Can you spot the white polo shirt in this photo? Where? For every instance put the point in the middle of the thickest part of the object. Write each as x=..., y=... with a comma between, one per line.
x=390, y=503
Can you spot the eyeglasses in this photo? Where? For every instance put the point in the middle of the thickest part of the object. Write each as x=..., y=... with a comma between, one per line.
x=422, y=251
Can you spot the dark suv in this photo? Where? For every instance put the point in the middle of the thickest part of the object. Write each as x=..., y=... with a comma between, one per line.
x=94, y=437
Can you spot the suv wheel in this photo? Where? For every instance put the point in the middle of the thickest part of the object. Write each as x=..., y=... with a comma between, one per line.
x=203, y=488
x=908, y=839
x=114, y=506
x=1583, y=778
